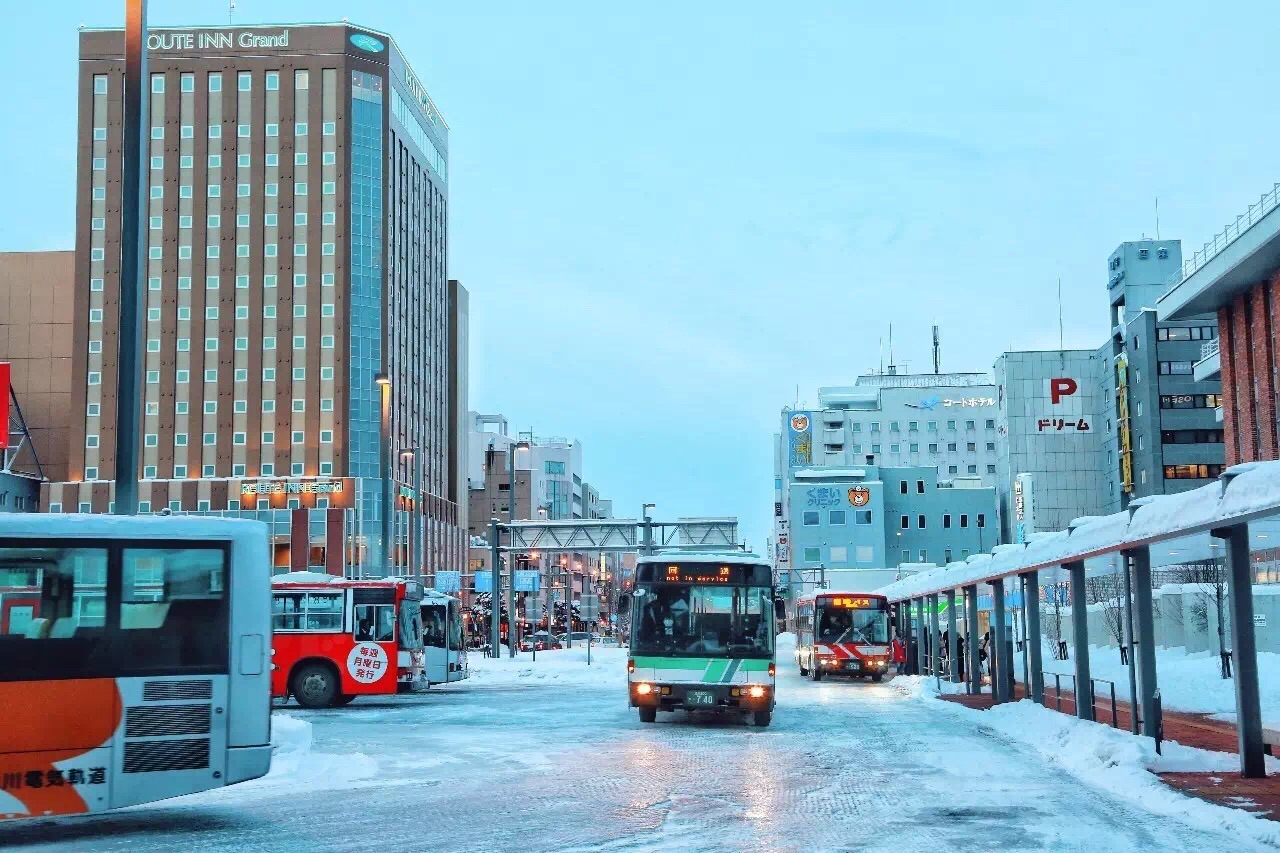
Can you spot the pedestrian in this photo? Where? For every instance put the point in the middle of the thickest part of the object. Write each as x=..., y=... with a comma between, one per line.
x=983, y=652
x=898, y=654
x=960, y=653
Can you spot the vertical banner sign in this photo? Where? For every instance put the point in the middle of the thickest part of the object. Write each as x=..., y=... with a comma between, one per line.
x=1024, y=507
x=449, y=581
x=801, y=443
x=5, y=373
x=1122, y=423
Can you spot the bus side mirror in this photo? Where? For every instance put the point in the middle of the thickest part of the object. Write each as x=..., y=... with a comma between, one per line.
x=779, y=609
x=624, y=604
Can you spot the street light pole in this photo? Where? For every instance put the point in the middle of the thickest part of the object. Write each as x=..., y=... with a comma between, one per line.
x=511, y=566
x=133, y=244
x=383, y=381
x=495, y=593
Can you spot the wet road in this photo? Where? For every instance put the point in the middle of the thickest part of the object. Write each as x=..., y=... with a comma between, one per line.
x=566, y=766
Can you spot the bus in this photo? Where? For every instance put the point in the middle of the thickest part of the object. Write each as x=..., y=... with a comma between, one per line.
x=446, y=658
x=336, y=639
x=702, y=634
x=842, y=633
x=134, y=661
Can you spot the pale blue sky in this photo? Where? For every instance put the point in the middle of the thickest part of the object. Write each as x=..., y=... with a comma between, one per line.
x=668, y=219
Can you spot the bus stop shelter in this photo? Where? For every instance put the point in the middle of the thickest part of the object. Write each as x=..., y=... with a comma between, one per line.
x=1219, y=513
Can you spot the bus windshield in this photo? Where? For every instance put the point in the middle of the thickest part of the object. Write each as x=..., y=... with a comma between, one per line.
x=730, y=621
x=852, y=625
x=433, y=625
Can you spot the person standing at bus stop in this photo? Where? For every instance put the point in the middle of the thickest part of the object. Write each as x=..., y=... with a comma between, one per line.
x=898, y=654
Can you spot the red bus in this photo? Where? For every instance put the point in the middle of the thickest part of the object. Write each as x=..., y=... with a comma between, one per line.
x=335, y=639
x=842, y=633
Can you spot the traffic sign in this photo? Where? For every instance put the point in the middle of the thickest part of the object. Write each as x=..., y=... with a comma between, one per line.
x=589, y=605
x=527, y=580
x=532, y=608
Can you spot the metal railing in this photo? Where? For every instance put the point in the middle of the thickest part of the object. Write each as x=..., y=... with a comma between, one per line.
x=1209, y=349
x=1074, y=699
x=1264, y=205
x=1093, y=700
x=1057, y=687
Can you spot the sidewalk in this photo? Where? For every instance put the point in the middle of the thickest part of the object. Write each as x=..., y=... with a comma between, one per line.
x=1259, y=796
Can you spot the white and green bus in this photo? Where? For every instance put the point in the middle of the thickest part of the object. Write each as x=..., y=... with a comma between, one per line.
x=702, y=634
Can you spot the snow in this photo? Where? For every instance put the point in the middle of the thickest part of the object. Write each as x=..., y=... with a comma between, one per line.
x=96, y=525
x=558, y=667
x=1188, y=682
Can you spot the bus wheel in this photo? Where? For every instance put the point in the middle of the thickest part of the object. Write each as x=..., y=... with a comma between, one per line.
x=648, y=715
x=344, y=699
x=763, y=718
x=877, y=677
x=815, y=673
x=315, y=686
x=803, y=670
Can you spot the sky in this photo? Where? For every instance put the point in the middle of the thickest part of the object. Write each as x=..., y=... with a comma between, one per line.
x=674, y=219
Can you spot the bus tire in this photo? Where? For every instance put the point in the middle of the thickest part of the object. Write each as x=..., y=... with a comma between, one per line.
x=815, y=673
x=762, y=718
x=344, y=699
x=803, y=669
x=648, y=715
x=877, y=677
x=314, y=685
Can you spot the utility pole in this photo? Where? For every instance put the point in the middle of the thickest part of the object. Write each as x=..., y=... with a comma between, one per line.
x=495, y=595
x=511, y=517
x=133, y=240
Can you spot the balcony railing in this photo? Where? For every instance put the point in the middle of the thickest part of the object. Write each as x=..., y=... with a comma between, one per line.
x=1264, y=205
x=1209, y=349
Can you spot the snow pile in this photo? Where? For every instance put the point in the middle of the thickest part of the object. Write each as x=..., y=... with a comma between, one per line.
x=608, y=668
x=1115, y=761
x=1188, y=682
x=296, y=765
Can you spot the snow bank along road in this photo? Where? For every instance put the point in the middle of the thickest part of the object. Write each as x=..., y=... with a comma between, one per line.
x=549, y=757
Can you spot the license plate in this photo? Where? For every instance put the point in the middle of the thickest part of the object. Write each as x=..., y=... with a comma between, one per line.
x=699, y=697
x=853, y=665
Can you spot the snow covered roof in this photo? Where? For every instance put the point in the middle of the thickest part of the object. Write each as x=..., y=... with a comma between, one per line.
x=94, y=526
x=829, y=473
x=1244, y=493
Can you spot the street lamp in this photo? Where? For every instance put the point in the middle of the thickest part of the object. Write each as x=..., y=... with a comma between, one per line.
x=383, y=381
x=511, y=566
x=415, y=513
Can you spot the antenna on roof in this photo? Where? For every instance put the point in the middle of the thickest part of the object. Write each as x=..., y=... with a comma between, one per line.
x=936, y=354
x=1061, y=344
x=231, y=10
x=893, y=368
x=1157, y=217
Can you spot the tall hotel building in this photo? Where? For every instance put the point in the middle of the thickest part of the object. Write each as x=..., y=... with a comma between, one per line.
x=297, y=225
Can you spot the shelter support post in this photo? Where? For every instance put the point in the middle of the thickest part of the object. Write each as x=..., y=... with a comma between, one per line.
x=1031, y=606
x=953, y=638
x=1080, y=640
x=973, y=639
x=999, y=672
x=1244, y=650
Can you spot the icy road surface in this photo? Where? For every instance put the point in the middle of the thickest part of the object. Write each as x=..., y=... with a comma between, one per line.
x=549, y=757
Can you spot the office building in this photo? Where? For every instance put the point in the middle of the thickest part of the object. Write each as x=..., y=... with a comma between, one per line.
x=1236, y=279
x=36, y=309
x=297, y=225
x=1052, y=416
x=873, y=519
x=1165, y=435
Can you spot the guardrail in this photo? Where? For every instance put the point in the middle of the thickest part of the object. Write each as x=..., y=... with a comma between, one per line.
x=1093, y=700
x=1264, y=205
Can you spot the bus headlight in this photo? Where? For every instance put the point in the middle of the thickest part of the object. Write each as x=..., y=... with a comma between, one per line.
x=756, y=691
x=643, y=689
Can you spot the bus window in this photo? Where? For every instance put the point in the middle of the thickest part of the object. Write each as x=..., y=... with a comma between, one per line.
x=173, y=610
x=306, y=611
x=376, y=623
x=49, y=635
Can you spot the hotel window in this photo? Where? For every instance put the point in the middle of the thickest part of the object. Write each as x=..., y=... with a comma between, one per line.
x=326, y=310
x=895, y=448
x=952, y=447
x=297, y=470
x=952, y=469
x=180, y=407
x=184, y=222
x=98, y=224
x=210, y=439
x=214, y=191
x=208, y=471
x=893, y=426
x=184, y=253
x=215, y=131
x=157, y=84
x=325, y=468
x=973, y=469
x=242, y=250
x=236, y=471
x=210, y=407
x=157, y=192
x=151, y=440
x=300, y=159
x=970, y=424
x=269, y=250
x=299, y=405
x=242, y=190
x=268, y=374
x=188, y=82
x=99, y=164
x=210, y=344
x=964, y=521
x=273, y=129
x=915, y=448
x=269, y=311
x=268, y=405
x=329, y=158
x=326, y=248
x=933, y=448
x=99, y=193
x=300, y=129
x=242, y=311
x=326, y=436
x=300, y=188
x=991, y=424
x=326, y=373
x=211, y=375
x=95, y=284
x=99, y=84
x=271, y=190
x=97, y=254
x=201, y=506
x=951, y=424
x=182, y=377
x=328, y=188
x=298, y=436
x=157, y=133
x=273, y=159
x=326, y=278
x=243, y=160
x=269, y=342
x=92, y=409
x=153, y=377
x=184, y=344
x=905, y=522
x=153, y=345
x=238, y=438
x=241, y=375
x=299, y=310
x=157, y=162
x=971, y=446
x=242, y=283
x=268, y=437
x=245, y=81
x=299, y=373
x=184, y=191
x=90, y=441
x=95, y=346
x=91, y=473
x=273, y=81
x=180, y=439
x=329, y=128
x=184, y=282
x=981, y=519
x=153, y=282
x=946, y=521
x=300, y=279
x=215, y=161
x=326, y=341
x=326, y=404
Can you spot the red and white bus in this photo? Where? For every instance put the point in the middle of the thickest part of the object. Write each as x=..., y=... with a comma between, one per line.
x=133, y=659
x=335, y=639
x=842, y=633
